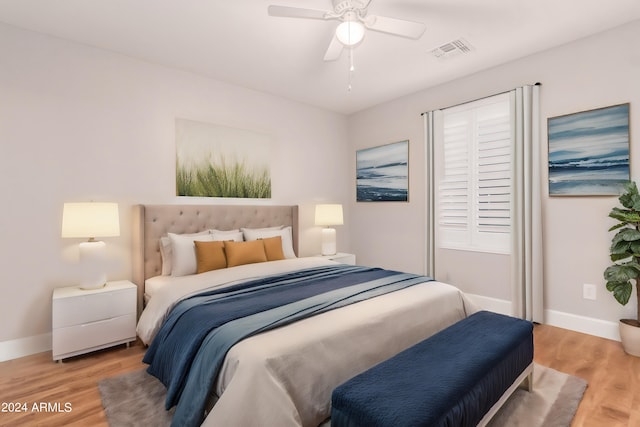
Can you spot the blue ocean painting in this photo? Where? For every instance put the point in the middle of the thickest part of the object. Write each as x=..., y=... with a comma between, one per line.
x=589, y=152
x=382, y=173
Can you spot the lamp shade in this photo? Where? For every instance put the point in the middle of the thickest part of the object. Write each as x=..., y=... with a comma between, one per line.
x=329, y=214
x=90, y=220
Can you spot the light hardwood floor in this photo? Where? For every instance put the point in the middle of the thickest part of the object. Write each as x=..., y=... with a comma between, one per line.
x=612, y=398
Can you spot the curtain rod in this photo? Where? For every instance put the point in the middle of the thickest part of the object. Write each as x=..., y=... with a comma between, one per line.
x=478, y=99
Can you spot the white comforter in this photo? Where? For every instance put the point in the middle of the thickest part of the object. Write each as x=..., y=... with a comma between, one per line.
x=285, y=377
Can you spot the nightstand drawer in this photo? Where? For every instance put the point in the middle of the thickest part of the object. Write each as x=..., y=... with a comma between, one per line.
x=93, y=307
x=93, y=335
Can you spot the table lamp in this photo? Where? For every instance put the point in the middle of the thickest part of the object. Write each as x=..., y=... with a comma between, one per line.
x=91, y=220
x=327, y=215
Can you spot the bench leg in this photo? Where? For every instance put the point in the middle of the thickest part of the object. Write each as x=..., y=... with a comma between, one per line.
x=526, y=377
x=527, y=383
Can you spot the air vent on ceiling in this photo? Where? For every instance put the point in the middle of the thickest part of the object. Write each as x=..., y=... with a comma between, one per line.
x=453, y=48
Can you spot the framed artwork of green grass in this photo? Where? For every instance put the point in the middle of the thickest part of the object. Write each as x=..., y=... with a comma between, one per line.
x=220, y=161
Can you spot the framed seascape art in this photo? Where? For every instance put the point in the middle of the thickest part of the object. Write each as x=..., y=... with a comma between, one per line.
x=382, y=173
x=589, y=152
x=220, y=161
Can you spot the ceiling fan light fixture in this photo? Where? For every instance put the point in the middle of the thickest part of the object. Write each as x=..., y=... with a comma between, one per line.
x=350, y=33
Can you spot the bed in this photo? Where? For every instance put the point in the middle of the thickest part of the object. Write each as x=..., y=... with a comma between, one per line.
x=283, y=376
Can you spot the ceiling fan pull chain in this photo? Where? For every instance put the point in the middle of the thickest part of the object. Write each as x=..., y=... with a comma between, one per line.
x=351, y=67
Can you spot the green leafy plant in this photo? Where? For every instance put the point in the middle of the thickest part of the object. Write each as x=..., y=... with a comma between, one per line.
x=625, y=249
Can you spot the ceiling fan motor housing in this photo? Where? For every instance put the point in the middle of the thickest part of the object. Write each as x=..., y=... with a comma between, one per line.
x=342, y=6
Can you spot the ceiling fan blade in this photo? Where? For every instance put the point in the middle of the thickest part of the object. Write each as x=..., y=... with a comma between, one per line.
x=398, y=27
x=334, y=50
x=296, y=12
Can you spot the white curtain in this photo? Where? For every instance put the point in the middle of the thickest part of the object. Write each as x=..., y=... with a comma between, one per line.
x=429, y=176
x=526, y=251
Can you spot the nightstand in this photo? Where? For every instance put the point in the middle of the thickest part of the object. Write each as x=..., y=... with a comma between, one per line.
x=341, y=257
x=88, y=320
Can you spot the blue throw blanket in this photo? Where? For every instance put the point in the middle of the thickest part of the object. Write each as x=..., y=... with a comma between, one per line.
x=188, y=351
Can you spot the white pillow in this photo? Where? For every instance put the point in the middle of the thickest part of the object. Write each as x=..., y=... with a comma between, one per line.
x=264, y=233
x=235, y=235
x=166, y=253
x=184, y=252
x=260, y=230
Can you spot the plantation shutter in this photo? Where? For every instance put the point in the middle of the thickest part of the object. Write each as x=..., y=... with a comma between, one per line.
x=475, y=191
x=454, y=200
x=492, y=207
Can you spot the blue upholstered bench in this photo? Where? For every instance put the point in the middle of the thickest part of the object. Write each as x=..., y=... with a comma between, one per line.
x=457, y=377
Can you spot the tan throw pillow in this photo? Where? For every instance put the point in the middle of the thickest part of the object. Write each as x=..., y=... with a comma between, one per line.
x=239, y=253
x=273, y=248
x=210, y=256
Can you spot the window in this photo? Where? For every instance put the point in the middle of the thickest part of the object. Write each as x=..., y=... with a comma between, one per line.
x=474, y=191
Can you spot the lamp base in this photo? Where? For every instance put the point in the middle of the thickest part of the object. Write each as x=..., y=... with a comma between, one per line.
x=92, y=259
x=91, y=287
x=328, y=241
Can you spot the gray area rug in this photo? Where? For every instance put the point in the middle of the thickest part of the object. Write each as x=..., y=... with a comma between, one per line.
x=137, y=399
x=134, y=399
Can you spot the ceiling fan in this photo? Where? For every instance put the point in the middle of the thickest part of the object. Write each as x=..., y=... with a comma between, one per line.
x=354, y=19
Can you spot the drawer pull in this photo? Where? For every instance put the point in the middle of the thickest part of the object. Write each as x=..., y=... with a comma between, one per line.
x=97, y=322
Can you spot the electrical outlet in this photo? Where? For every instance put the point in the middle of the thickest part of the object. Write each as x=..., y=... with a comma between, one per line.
x=589, y=291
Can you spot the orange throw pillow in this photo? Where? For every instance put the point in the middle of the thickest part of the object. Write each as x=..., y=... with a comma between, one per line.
x=273, y=248
x=239, y=253
x=210, y=256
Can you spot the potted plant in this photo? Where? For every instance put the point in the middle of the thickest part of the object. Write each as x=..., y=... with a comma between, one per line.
x=625, y=254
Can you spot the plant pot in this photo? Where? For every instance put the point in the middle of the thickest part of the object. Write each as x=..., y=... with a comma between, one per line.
x=630, y=336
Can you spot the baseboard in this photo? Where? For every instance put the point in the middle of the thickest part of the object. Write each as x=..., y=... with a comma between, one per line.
x=588, y=325
x=491, y=304
x=574, y=322
x=24, y=346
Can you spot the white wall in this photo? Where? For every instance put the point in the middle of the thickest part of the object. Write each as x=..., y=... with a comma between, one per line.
x=594, y=72
x=80, y=124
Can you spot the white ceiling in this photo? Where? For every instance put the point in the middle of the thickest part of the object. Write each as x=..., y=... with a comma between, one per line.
x=237, y=42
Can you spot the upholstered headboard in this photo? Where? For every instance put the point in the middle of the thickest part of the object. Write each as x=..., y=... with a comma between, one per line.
x=151, y=222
